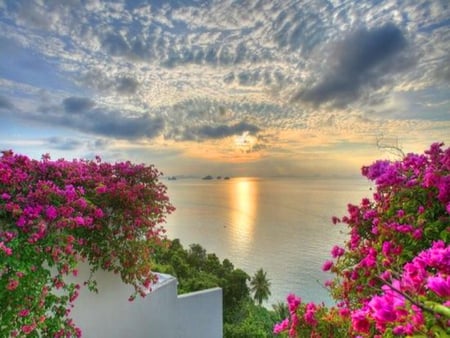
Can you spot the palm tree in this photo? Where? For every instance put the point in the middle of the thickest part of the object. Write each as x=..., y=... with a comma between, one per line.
x=281, y=310
x=260, y=286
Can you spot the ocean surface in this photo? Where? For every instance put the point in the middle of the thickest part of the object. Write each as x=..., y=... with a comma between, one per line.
x=282, y=225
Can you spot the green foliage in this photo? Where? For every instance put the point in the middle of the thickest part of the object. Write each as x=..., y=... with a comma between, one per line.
x=250, y=321
x=195, y=269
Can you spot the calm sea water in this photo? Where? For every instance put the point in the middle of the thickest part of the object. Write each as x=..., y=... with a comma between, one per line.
x=282, y=225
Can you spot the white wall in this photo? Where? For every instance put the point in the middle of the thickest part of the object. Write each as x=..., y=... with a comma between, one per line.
x=194, y=308
x=162, y=314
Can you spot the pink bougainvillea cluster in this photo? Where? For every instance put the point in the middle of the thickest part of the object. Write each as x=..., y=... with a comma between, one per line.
x=392, y=278
x=55, y=214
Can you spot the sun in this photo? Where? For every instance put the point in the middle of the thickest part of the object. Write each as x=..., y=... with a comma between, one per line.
x=245, y=141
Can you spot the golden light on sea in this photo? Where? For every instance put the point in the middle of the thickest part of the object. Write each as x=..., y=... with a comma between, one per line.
x=244, y=204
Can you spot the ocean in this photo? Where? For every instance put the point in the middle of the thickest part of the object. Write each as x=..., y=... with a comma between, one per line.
x=282, y=225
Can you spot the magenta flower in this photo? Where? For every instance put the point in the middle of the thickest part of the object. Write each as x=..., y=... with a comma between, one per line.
x=51, y=213
x=327, y=265
x=27, y=329
x=337, y=251
x=360, y=321
x=439, y=285
x=309, y=315
x=12, y=285
x=281, y=327
x=5, y=196
x=293, y=302
x=79, y=220
x=5, y=249
x=24, y=313
x=382, y=309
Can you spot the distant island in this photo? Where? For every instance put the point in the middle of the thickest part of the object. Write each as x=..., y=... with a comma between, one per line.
x=209, y=177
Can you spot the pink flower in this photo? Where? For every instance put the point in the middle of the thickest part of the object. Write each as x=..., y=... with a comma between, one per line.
x=382, y=309
x=51, y=212
x=280, y=327
x=400, y=213
x=413, y=277
x=335, y=220
x=360, y=322
x=98, y=213
x=79, y=220
x=337, y=251
x=27, y=329
x=309, y=315
x=101, y=189
x=6, y=250
x=24, y=313
x=12, y=285
x=327, y=265
x=439, y=285
x=293, y=302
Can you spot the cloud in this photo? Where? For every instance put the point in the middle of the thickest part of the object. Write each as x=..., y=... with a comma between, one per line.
x=63, y=143
x=127, y=85
x=115, y=44
x=98, y=80
x=84, y=115
x=442, y=71
x=115, y=124
x=5, y=103
x=359, y=62
x=98, y=144
x=222, y=131
x=77, y=104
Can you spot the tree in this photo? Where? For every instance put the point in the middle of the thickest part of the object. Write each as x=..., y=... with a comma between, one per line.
x=260, y=286
x=280, y=310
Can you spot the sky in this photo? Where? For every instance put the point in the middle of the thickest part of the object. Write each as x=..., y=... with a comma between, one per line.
x=234, y=88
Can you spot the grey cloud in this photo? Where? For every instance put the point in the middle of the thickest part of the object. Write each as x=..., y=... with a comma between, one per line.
x=77, y=104
x=298, y=27
x=218, y=53
x=186, y=117
x=62, y=143
x=442, y=71
x=99, y=143
x=114, y=124
x=249, y=78
x=127, y=85
x=100, y=121
x=359, y=62
x=115, y=44
x=229, y=78
x=122, y=84
x=261, y=75
x=222, y=131
x=5, y=103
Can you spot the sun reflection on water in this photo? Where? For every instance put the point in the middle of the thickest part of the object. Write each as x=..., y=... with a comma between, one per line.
x=244, y=205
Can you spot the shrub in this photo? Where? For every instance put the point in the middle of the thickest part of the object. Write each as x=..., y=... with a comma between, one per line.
x=55, y=214
x=393, y=275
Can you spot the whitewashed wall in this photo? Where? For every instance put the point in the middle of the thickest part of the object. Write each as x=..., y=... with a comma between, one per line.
x=162, y=314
